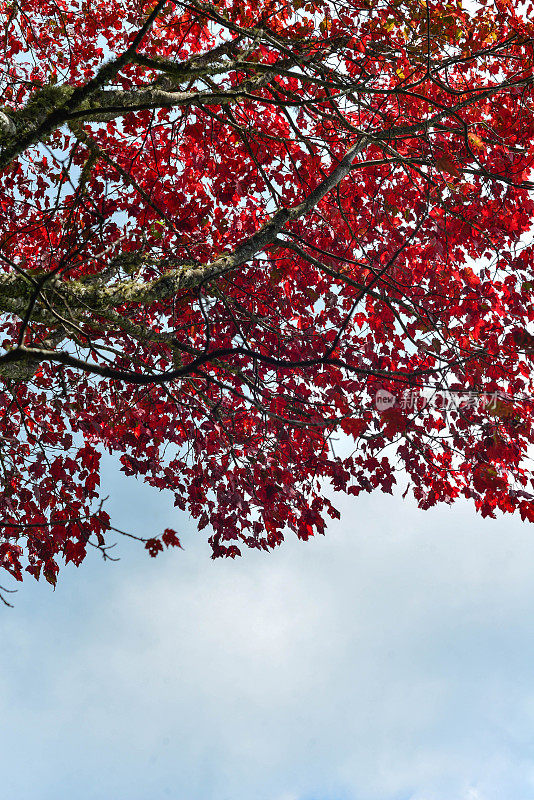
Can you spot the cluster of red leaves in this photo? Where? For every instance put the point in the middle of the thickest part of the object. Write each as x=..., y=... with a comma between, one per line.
x=414, y=273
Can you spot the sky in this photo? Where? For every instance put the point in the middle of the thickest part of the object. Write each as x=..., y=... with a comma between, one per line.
x=392, y=659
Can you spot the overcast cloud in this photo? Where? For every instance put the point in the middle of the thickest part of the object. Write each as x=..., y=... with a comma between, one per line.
x=392, y=659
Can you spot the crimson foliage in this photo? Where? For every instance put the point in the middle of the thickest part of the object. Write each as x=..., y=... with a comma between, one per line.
x=229, y=231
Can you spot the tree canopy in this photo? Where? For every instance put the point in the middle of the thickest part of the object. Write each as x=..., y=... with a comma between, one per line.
x=231, y=231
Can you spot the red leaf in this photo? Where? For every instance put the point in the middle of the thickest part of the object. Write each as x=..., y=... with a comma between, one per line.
x=154, y=547
x=446, y=164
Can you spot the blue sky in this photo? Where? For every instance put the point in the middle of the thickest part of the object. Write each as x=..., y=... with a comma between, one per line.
x=392, y=659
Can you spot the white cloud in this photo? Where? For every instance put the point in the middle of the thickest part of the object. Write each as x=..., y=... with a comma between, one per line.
x=391, y=659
